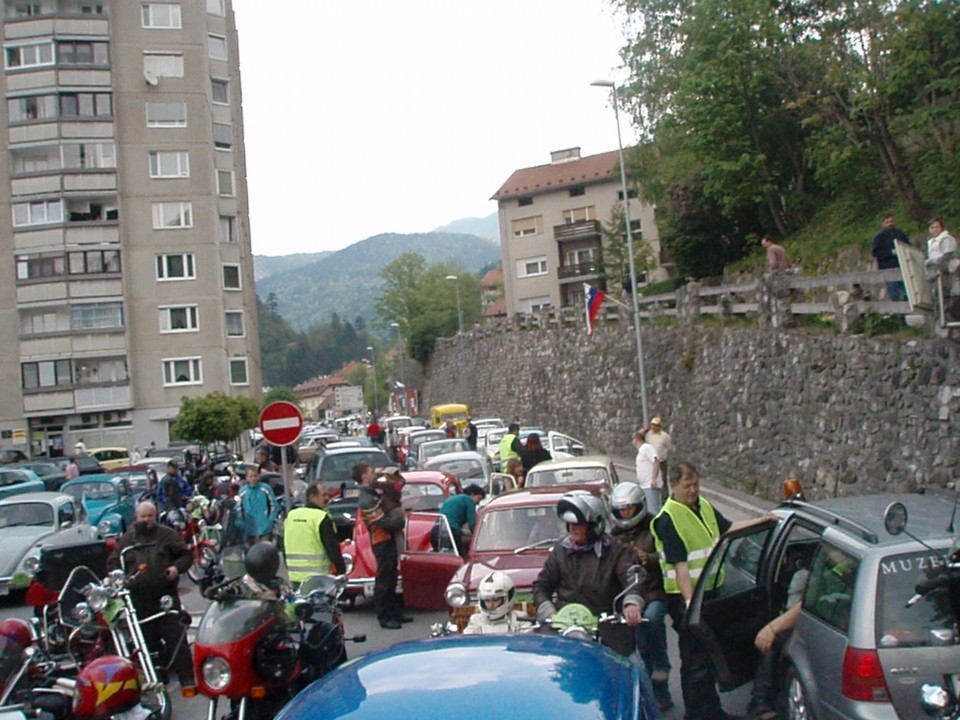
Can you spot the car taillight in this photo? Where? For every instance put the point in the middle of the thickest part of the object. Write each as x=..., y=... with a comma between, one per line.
x=862, y=677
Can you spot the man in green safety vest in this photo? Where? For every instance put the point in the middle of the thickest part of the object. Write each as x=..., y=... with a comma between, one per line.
x=310, y=544
x=510, y=444
x=685, y=532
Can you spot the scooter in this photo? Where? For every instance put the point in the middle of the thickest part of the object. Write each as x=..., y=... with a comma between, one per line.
x=258, y=644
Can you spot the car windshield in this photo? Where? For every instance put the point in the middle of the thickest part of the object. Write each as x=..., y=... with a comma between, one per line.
x=496, y=435
x=91, y=491
x=441, y=447
x=334, y=470
x=567, y=476
x=511, y=528
x=466, y=469
x=928, y=622
x=422, y=496
x=416, y=442
x=33, y=513
x=13, y=477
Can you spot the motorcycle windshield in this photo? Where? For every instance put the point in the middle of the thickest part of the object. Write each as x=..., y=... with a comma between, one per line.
x=226, y=622
x=80, y=579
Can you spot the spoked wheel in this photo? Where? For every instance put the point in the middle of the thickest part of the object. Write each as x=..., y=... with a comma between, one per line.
x=157, y=703
x=796, y=698
x=198, y=571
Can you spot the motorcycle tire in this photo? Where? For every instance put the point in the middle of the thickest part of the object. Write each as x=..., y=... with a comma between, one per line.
x=200, y=568
x=153, y=701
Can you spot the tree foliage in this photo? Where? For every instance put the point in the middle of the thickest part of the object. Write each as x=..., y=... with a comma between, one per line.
x=281, y=393
x=215, y=417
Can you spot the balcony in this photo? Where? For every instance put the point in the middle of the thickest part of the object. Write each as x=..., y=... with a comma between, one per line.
x=585, y=230
x=581, y=271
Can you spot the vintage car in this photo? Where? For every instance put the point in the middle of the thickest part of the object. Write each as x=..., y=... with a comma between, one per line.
x=457, y=412
x=423, y=493
x=560, y=446
x=514, y=534
x=107, y=500
x=33, y=521
x=311, y=444
x=47, y=470
x=15, y=481
x=332, y=468
x=432, y=448
x=469, y=467
x=590, y=472
x=407, y=451
x=10, y=455
x=110, y=458
x=478, y=678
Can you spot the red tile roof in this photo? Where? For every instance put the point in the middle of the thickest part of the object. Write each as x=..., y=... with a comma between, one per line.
x=556, y=176
x=496, y=308
x=492, y=278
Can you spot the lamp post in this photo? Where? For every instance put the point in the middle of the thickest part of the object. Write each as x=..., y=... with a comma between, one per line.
x=633, y=269
x=403, y=404
x=456, y=285
x=376, y=393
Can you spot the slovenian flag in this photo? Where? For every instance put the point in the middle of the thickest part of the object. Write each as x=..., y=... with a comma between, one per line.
x=594, y=299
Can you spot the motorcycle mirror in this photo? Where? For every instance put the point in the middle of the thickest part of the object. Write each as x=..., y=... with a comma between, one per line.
x=359, y=638
x=895, y=518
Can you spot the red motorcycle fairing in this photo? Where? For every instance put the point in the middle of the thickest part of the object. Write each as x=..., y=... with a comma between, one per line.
x=231, y=630
x=106, y=686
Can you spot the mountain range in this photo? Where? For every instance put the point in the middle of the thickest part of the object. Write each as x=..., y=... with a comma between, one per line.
x=309, y=288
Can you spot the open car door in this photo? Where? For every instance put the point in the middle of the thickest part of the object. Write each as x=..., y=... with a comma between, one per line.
x=428, y=562
x=727, y=621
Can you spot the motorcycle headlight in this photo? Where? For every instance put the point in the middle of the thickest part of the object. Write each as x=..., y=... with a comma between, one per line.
x=456, y=595
x=97, y=598
x=216, y=673
x=348, y=562
x=31, y=564
x=166, y=602
x=82, y=613
x=115, y=580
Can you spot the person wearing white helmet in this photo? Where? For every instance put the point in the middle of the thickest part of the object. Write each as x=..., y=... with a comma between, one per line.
x=495, y=610
x=631, y=526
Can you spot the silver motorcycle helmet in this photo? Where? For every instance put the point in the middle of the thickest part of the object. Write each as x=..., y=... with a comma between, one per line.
x=625, y=496
x=582, y=507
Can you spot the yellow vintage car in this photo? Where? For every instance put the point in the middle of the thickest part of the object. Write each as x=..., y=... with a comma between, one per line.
x=458, y=412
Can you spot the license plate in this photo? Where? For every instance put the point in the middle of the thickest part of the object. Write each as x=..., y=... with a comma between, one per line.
x=351, y=493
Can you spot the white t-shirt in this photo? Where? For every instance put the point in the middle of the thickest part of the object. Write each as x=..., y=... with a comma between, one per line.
x=646, y=456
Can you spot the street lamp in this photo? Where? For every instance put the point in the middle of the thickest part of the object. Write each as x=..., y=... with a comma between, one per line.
x=403, y=404
x=376, y=394
x=633, y=269
x=456, y=281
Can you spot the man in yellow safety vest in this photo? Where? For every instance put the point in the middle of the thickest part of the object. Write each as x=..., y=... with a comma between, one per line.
x=310, y=544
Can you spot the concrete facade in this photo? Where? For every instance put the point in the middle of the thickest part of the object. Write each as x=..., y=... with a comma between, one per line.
x=124, y=229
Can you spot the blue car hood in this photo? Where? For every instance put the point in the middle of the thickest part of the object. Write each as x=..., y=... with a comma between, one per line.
x=482, y=677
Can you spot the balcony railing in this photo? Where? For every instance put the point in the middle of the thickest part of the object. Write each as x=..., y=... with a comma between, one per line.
x=581, y=270
x=576, y=231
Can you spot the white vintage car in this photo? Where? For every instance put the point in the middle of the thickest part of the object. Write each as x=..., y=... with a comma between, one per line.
x=31, y=521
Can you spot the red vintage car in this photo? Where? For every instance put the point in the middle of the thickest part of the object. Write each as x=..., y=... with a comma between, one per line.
x=423, y=494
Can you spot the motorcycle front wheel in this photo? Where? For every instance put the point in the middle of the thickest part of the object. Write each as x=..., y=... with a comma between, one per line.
x=157, y=702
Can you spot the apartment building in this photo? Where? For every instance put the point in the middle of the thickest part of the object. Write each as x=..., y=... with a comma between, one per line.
x=124, y=240
x=551, y=219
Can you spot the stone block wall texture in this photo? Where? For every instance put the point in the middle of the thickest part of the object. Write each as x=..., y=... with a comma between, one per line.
x=847, y=415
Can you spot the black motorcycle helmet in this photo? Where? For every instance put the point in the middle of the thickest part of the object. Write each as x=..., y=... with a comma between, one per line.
x=262, y=562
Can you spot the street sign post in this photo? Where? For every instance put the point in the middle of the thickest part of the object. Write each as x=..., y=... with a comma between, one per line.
x=281, y=424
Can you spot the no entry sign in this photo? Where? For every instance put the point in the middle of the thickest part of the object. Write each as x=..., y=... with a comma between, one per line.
x=281, y=423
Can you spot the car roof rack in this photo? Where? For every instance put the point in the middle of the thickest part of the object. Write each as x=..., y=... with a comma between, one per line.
x=865, y=533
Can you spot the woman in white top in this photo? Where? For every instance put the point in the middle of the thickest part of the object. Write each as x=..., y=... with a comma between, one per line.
x=940, y=243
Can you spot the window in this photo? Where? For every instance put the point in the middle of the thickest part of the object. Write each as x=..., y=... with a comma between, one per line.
x=166, y=114
x=177, y=266
x=179, y=319
x=579, y=257
x=231, y=277
x=220, y=91
x=217, y=47
x=43, y=158
x=238, y=371
x=829, y=594
x=581, y=214
x=33, y=55
x=228, y=229
x=85, y=105
x=161, y=16
x=96, y=316
x=222, y=136
x=577, y=190
x=35, y=107
x=523, y=227
x=161, y=64
x=46, y=373
x=169, y=164
x=225, y=183
x=36, y=322
x=93, y=262
x=89, y=156
x=27, y=9
x=172, y=215
x=631, y=194
x=215, y=7
x=34, y=268
x=926, y=623
x=77, y=52
x=534, y=304
x=524, y=201
x=531, y=267
x=235, y=323
x=182, y=371
x=41, y=212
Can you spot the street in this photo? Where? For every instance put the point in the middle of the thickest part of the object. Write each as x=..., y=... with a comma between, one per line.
x=362, y=620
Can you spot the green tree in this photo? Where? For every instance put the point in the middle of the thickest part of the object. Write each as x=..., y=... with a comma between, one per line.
x=616, y=258
x=276, y=394
x=215, y=417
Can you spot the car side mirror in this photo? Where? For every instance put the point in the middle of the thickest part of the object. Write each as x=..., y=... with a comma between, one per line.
x=895, y=518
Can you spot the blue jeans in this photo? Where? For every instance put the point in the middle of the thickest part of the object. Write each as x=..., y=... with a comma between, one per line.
x=652, y=496
x=896, y=291
x=653, y=637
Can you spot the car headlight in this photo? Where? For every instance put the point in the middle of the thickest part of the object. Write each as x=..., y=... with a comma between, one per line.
x=31, y=564
x=97, y=598
x=348, y=562
x=107, y=527
x=455, y=595
x=216, y=672
x=82, y=613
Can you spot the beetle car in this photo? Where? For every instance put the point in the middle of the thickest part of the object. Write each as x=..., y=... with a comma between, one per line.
x=30, y=522
x=48, y=471
x=422, y=495
x=469, y=467
x=14, y=481
x=432, y=448
x=595, y=473
x=408, y=449
x=107, y=500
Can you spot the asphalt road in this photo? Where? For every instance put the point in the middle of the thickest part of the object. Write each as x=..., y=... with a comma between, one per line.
x=362, y=620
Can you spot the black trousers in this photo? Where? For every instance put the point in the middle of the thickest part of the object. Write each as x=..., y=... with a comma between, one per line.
x=697, y=679
x=385, y=583
x=168, y=631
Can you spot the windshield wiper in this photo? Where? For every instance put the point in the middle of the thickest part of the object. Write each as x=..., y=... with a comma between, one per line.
x=533, y=546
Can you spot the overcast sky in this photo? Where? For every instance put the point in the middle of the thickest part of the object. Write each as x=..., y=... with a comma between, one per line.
x=385, y=116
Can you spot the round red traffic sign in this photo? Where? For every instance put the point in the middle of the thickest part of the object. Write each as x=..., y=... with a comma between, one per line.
x=281, y=423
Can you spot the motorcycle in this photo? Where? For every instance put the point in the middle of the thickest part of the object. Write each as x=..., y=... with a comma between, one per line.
x=202, y=535
x=937, y=701
x=258, y=644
